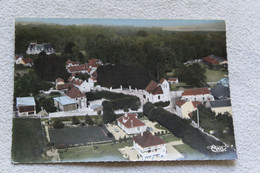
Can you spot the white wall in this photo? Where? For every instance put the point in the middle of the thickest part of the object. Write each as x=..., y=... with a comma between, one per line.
x=242, y=22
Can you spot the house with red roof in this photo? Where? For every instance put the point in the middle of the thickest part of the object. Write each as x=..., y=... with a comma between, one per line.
x=82, y=85
x=184, y=108
x=172, y=80
x=83, y=68
x=131, y=124
x=157, y=92
x=197, y=94
x=70, y=63
x=149, y=147
x=61, y=85
x=214, y=60
x=77, y=96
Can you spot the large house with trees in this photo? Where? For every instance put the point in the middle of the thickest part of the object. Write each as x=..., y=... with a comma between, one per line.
x=35, y=48
x=149, y=147
x=157, y=92
x=131, y=124
x=25, y=106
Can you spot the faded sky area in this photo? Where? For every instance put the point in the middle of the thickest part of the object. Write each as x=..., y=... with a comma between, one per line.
x=120, y=22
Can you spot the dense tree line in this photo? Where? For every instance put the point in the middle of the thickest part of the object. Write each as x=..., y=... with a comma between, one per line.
x=50, y=67
x=125, y=75
x=182, y=128
x=156, y=50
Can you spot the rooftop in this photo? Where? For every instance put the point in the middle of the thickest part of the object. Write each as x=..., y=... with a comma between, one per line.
x=25, y=101
x=197, y=91
x=64, y=100
x=220, y=103
x=147, y=140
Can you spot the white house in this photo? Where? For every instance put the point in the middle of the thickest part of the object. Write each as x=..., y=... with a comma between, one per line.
x=83, y=86
x=70, y=63
x=35, y=48
x=184, y=108
x=157, y=92
x=131, y=124
x=77, y=96
x=172, y=80
x=198, y=94
x=65, y=103
x=149, y=147
x=25, y=106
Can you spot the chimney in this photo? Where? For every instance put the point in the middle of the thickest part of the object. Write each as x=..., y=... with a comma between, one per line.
x=125, y=114
x=131, y=123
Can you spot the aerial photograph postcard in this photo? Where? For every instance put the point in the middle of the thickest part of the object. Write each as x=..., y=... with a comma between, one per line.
x=98, y=90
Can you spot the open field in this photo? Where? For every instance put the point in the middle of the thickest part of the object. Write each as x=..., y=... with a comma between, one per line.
x=78, y=135
x=28, y=140
x=108, y=152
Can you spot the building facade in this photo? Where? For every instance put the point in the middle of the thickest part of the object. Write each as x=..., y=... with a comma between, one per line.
x=25, y=106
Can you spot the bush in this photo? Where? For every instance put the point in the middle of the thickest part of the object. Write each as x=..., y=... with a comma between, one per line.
x=110, y=135
x=108, y=112
x=82, y=124
x=75, y=120
x=58, y=124
x=89, y=121
x=162, y=104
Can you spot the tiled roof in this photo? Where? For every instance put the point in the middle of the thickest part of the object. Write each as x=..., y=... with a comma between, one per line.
x=131, y=118
x=74, y=69
x=75, y=93
x=214, y=59
x=220, y=103
x=147, y=140
x=27, y=60
x=172, y=79
x=71, y=62
x=64, y=86
x=180, y=102
x=76, y=81
x=59, y=80
x=197, y=91
x=162, y=80
x=154, y=88
x=196, y=103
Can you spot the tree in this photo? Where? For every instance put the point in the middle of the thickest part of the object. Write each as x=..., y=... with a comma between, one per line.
x=89, y=121
x=108, y=112
x=58, y=124
x=75, y=120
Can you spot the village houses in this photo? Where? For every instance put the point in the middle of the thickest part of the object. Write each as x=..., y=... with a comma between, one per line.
x=157, y=92
x=198, y=94
x=149, y=147
x=35, y=48
x=64, y=103
x=77, y=96
x=82, y=85
x=25, y=106
x=172, y=80
x=184, y=108
x=131, y=124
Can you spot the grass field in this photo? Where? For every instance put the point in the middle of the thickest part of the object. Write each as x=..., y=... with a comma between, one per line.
x=28, y=140
x=169, y=138
x=189, y=153
x=107, y=152
x=77, y=135
x=214, y=75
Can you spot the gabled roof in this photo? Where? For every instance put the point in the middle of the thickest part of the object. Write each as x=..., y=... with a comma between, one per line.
x=154, y=88
x=64, y=100
x=162, y=80
x=71, y=62
x=180, y=102
x=25, y=101
x=27, y=60
x=130, y=121
x=171, y=79
x=64, y=86
x=220, y=92
x=220, y=103
x=82, y=67
x=195, y=103
x=76, y=81
x=197, y=91
x=147, y=140
x=214, y=59
x=59, y=80
x=75, y=93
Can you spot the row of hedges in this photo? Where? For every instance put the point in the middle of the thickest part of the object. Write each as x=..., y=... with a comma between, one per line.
x=96, y=95
x=162, y=104
x=181, y=128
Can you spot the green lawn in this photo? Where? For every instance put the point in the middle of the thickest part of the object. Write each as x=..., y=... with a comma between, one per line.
x=214, y=75
x=169, y=138
x=108, y=152
x=28, y=140
x=189, y=153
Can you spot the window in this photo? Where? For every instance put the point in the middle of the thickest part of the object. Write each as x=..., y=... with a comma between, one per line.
x=159, y=97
